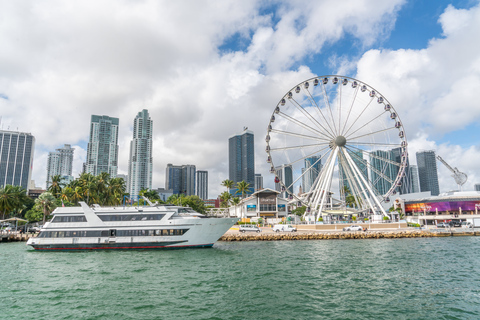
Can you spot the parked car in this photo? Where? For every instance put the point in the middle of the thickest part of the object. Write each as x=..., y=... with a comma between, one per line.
x=467, y=224
x=354, y=228
x=284, y=228
x=455, y=223
x=443, y=225
x=249, y=227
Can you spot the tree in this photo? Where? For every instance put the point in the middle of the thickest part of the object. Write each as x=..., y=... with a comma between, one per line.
x=11, y=199
x=46, y=203
x=228, y=184
x=55, y=187
x=242, y=188
x=193, y=202
x=299, y=211
x=225, y=199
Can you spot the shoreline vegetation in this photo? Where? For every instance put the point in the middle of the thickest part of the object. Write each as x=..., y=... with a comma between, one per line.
x=342, y=235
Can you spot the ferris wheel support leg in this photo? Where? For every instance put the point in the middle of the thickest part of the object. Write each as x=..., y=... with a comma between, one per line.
x=329, y=175
x=317, y=187
x=354, y=183
x=359, y=174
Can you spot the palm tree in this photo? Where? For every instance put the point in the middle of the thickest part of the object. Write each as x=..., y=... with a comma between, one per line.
x=45, y=202
x=225, y=197
x=56, y=185
x=10, y=198
x=235, y=201
x=117, y=189
x=242, y=188
x=228, y=184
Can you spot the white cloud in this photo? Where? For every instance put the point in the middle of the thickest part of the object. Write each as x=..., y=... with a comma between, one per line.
x=62, y=61
x=434, y=90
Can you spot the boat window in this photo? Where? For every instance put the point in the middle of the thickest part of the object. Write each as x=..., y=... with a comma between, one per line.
x=107, y=233
x=60, y=219
x=131, y=217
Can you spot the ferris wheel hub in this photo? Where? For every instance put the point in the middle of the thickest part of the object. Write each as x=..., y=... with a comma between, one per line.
x=340, y=141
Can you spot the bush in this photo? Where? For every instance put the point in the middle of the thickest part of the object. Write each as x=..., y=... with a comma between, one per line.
x=414, y=225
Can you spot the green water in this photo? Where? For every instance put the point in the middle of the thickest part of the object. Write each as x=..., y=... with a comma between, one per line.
x=434, y=278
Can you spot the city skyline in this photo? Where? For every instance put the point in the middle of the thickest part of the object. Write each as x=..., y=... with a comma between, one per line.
x=249, y=55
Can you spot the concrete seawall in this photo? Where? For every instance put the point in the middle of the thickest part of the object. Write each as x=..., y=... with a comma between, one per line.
x=345, y=235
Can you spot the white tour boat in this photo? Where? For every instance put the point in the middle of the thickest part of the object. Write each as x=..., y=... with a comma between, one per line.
x=149, y=227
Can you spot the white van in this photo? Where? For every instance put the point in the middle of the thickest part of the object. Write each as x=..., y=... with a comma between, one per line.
x=284, y=228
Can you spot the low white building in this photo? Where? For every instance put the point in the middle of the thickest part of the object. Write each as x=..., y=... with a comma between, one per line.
x=264, y=203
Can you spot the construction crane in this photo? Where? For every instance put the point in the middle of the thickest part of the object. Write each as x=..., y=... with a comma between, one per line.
x=460, y=177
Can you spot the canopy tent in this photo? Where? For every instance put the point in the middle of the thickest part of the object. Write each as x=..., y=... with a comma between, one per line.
x=16, y=219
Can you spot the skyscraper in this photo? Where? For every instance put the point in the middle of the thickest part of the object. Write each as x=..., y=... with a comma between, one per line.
x=357, y=157
x=382, y=171
x=60, y=163
x=309, y=177
x=414, y=177
x=102, y=150
x=427, y=172
x=180, y=179
x=406, y=180
x=285, y=174
x=202, y=184
x=16, y=158
x=241, y=159
x=258, y=182
x=140, y=162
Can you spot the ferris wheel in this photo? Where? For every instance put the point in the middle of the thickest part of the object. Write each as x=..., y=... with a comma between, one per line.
x=335, y=142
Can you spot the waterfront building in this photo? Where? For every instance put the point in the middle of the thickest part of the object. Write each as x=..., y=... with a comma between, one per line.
x=285, y=174
x=202, y=184
x=414, y=177
x=140, y=162
x=309, y=177
x=16, y=158
x=427, y=172
x=213, y=203
x=477, y=187
x=102, y=150
x=60, y=163
x=265, y=203
x=258, y=182
x=180, y=179
x=241, y=159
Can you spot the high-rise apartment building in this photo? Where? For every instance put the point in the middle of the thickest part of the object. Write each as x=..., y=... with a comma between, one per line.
x=102, y=150
x=180, y=179
x=202, y=184
x=241, y=159
x=60, y=163
x=414, y=178
x=140, y=164
x=285, y=174
x=258, y=182
x=16, y=158
x=427, y=172
x=314, y=166
x=382, y=172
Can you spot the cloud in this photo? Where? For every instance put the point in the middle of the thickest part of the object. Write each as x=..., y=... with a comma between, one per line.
x=434, y=90
x=62, y=61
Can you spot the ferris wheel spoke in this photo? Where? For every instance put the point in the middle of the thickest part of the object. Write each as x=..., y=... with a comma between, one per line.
x=309, y=155
x=353, y=182
x=307, y=170
x=327, y=102
x=373, y=155
x=372, y=168
x=323, y=190
x=307, y=114
x=299, y=135
x=359, y=116
x=299, y=147
x=305, y=126
x=371, y=133
x=350, y=110
x=369, y=122
x=319, y=111
x=360, y=143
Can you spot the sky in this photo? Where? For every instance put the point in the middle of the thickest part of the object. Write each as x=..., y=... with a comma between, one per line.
x=206, y=69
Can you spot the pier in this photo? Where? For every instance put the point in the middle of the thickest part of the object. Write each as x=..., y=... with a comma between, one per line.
x=7, y=236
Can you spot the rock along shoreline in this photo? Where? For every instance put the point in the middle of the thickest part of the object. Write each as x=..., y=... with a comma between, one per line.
x=346, y=235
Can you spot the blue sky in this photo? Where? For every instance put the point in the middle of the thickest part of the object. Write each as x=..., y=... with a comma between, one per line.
x=208, y=68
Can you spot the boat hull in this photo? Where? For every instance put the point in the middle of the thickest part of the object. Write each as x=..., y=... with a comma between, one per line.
x=119, y=246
